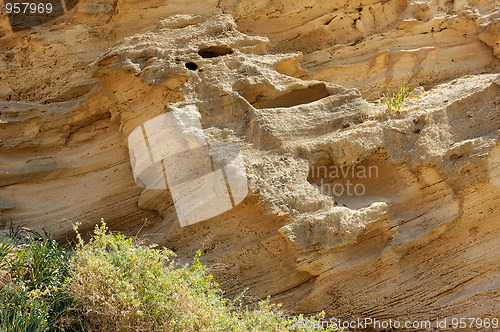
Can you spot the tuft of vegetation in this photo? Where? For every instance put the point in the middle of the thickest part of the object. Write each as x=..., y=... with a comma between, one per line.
x=396, y=100
x=112, y=283
x=33, y=269
x=394, y=103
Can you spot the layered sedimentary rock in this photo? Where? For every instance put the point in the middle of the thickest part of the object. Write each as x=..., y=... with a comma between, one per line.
x=419, y=237
x=377, y=46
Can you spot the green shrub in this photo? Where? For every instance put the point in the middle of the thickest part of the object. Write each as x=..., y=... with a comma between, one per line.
x=122, y=286
x=38, y=264
x=33, y=269
x=19, y=313
x=115, y=284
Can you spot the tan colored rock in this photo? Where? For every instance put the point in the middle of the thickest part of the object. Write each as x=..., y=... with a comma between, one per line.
x=422, y=240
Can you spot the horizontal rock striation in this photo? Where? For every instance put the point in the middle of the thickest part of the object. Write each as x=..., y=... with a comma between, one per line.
x=414, y=232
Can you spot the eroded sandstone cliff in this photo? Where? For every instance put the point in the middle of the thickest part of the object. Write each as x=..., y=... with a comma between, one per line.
x=286, y=81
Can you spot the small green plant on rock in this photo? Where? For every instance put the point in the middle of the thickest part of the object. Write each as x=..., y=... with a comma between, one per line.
x=396, y=100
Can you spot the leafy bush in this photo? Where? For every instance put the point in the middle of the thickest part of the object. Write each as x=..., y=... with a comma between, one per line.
x=32, y=272
x=18, y=312
x=122, y=286
x=114, y=284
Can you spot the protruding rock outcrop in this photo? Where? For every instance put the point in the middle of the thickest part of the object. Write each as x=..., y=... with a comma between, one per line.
x=396, y=217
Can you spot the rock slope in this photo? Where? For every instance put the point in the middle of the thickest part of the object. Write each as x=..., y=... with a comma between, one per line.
x=285, y=81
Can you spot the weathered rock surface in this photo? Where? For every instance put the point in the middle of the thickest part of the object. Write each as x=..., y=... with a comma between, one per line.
x=421, y=242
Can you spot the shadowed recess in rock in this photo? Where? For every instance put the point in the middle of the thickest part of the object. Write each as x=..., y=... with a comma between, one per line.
x=293, y=98
x=215, y=51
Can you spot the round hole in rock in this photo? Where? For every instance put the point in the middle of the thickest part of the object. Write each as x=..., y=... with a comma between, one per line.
x=191, y=66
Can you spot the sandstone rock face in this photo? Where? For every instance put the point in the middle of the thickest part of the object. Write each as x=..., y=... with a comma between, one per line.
x=379, y=45
x=396, y=217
